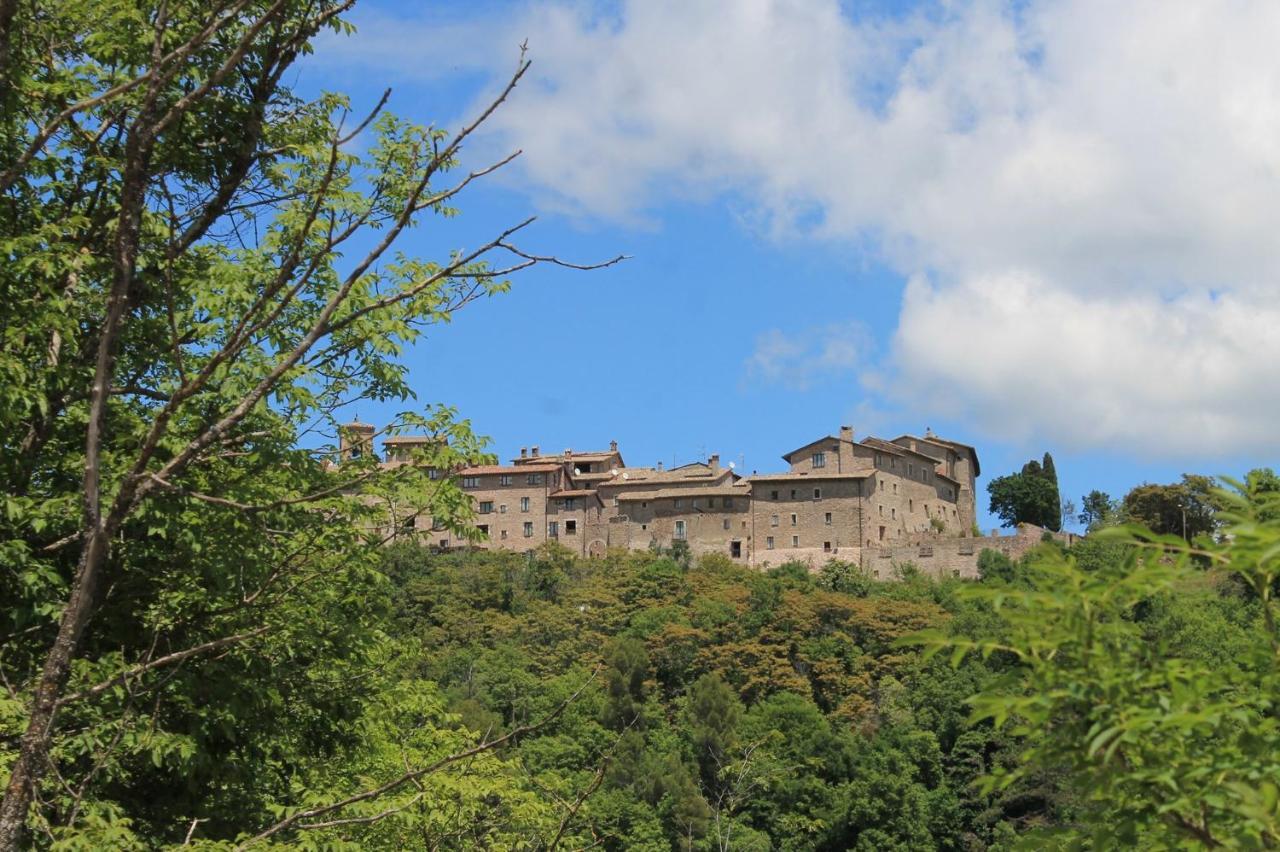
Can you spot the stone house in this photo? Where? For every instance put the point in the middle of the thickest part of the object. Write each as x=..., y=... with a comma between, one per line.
x=862, y=501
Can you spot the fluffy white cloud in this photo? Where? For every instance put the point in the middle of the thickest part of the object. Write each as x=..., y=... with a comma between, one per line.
x=1092, y=188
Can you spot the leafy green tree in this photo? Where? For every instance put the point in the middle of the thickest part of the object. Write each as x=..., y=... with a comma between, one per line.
x=626, y=674
x=1024, y=498
x=1161, y=712
x=197, y=282
x=1184, y=508
x=713, y=713
x=1097, y=510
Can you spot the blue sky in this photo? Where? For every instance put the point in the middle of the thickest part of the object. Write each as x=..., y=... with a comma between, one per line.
x=877, y=214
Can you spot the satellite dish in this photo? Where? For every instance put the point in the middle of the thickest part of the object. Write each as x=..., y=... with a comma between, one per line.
x=732, y=465
x=613, y=471
x=626, y=476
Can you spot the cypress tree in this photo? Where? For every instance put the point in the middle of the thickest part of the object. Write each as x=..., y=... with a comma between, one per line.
x=1053, y=519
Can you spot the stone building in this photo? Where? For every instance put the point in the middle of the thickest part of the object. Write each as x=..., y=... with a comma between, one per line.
x=873, y=502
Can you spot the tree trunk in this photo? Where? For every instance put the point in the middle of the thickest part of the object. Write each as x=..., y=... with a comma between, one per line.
x=33, y=754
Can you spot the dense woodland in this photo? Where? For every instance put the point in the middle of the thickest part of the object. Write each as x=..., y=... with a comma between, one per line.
x=210, y=637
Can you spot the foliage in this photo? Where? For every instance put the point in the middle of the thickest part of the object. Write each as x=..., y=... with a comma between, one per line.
x=733, y=709
x=1025, y=498
x=1147, y=680
x=1097, y=510
x=198, y=284
x=1185, y=508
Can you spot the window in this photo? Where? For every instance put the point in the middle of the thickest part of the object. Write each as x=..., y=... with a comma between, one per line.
x=817, y=493
x=534, y=479
x=433, y=473
x=679, y=502
x=615, y=502
x=819, y=459
x=793, y=494
x=726, y=523
x=567, y=503
x=528, y=529
x=795, y=541
x=553, y=529
x=524, y=504
x=505, y=479
x=773, y=520
x=827, y=519
x=794, y=518
x=503, y=535
x=826, y=547
x=570, y=527
x=911, y=506
x=877, y=459
x=470, y=482
x=444, y=544
x=486, y=506
x=895, y=488
x=893, y=512
x=882, y=485
x=502, y=508
x=911, y=470
x=728, y=502
x=773, y=495
x=881, y=508
x=768, y=543
x=680, y=530
x=882, y=533
x=484, y=529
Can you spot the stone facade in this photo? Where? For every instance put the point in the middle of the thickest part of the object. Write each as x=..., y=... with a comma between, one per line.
x=873, y=502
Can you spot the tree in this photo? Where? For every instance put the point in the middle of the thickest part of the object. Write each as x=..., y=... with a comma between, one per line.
x=626, y=673
x=1166, y=738
x=1097, y=510
x=1050, y=473
x=1184, y=508
x=197, y=280
x=1023, y=498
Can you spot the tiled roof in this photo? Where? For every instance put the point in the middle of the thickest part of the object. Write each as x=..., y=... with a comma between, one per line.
x=804, y=474
x=410, y=439
x=487, y=469
x=667, y=493
x=787, y=456
x=882, y=444
x=574, y=492
x=648, y=475
x=934, y=439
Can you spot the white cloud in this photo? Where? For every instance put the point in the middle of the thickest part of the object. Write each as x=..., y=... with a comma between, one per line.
x=1092, y=188
x=800, y=358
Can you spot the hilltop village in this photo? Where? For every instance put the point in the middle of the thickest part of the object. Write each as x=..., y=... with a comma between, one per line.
x=872, y=502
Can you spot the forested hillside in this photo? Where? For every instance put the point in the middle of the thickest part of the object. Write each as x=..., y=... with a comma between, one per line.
x=730, y=709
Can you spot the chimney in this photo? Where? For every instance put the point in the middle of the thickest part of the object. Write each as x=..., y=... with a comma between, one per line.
x=846, y=433
x=524, y=452
x=567, y=452
x=659, y=467
x=714, y=462
x=613, y=446
x=534, y=452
